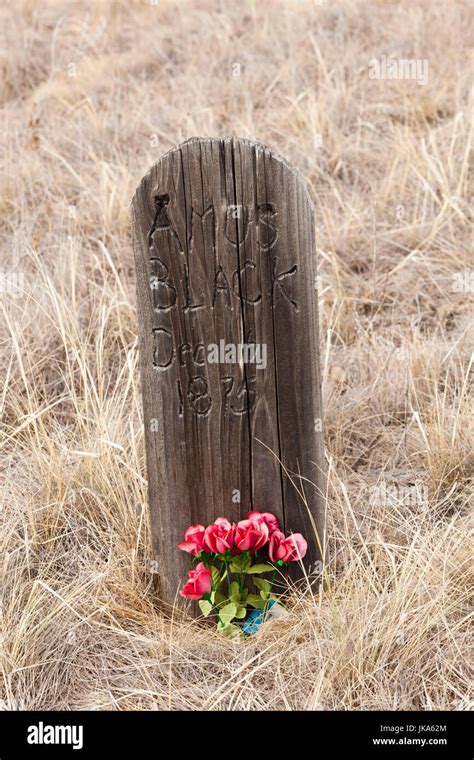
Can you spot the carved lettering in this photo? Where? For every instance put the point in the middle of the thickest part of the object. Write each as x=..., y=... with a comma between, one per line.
x=231, y=392
x=221, y=288
x=237, y=224
x=267, y=230
x=163, y=350
x=278, y=282
x=198, y=395
x=237, y=395
x=239, y=282
x=161, y=223
x=187, y=292
x=164, y=294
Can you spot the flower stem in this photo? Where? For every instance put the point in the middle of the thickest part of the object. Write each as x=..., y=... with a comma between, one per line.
x=228, y=576
x=273, y=578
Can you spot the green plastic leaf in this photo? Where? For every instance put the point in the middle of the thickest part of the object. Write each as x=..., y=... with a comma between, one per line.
x=238, y=563
x=229, y=630
x=260, y=569
x=219, y=598
x=216, y=579
x=227, y=613
x=277, y=600
x=263, y=585
x=241, y=612
x=234, y=592
x=255, y=601
x=206, y=607
x=244, y=594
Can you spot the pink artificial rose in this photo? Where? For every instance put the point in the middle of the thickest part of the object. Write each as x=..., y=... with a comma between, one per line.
x=193, y=540
x=270, y=520
x=219, y=536
x=251, y=534
x=198, y=584
x=287, y=548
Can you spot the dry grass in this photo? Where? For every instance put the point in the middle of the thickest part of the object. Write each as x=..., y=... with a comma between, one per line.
x=390, y=628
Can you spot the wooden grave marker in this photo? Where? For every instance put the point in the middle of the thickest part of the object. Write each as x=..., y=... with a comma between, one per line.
x=225, y=258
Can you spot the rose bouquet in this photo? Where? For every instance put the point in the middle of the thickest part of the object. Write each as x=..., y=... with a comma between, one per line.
x=225, y=554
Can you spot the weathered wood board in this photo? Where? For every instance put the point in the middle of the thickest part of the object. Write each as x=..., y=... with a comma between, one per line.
x=225, y=256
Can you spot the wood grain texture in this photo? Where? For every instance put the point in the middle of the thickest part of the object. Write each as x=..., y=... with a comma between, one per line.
x=225, y=251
